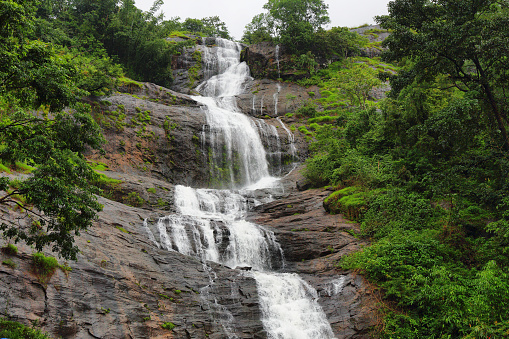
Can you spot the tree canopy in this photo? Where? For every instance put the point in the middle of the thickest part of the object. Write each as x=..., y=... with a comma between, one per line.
x=463, y=39
x=37, y=81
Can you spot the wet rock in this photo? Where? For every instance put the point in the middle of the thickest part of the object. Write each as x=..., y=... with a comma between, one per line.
x=272, y=98
x=314, y=242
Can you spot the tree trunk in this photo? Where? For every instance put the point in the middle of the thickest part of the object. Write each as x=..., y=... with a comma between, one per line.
x=496, y=113
x=493, y=103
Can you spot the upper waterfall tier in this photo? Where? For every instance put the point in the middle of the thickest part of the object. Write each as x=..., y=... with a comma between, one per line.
x=236, y=155
x=223, y=70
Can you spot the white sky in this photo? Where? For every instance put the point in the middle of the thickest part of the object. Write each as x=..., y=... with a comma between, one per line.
x=238, y=13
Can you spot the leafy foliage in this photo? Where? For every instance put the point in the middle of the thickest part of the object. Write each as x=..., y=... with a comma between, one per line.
x=57, y=200
x=15, y=330
x=460, y=39
x=424, y=171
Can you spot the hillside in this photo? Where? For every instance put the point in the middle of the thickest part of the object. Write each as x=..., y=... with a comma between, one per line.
x=340, y=183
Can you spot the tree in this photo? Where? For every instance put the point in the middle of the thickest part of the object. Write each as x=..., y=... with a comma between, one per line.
x=356, y=82
x=338, y=42
x=57, y=200
x=261, y=28
x=463, y=39
x=213, y=26
x=296, y=21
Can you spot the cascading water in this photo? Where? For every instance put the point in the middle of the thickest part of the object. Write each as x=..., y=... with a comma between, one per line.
x=290, y=308
x=277, y=61
x=237, y=157
x=210, y=224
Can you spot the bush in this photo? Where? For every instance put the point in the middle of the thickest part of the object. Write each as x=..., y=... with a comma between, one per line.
x=397, y=210
x=44, y=267
x=308, y=110
x=15, y=330
x=134, y=199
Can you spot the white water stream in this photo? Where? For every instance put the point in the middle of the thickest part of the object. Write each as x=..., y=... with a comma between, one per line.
x=210, y=224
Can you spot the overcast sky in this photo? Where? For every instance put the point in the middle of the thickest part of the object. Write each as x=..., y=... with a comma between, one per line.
x=238, y=13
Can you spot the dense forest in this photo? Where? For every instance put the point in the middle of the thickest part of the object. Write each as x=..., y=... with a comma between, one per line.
x=424, y=171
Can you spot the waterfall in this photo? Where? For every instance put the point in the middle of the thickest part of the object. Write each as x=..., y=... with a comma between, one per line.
x=276, y=99
x=277, y=61
x=291, y=139
x=290, y=308
x=334, y=287
x=210, y=224
x=237, y=157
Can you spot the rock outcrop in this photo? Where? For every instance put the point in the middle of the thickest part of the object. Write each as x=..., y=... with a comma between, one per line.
x=124, y=286
x=313, y=242
x=272, y=98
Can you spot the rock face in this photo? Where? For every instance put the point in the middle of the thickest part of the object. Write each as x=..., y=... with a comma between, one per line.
x=272, y=98
x=262, y=60
x=123, y=286
x=375, y=34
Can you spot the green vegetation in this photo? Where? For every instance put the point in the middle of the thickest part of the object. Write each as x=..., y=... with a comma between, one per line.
x=123, y=230
x=193, y=71
x=168, y=326
x=15, y=330
x=297, y=24
x=133, y=199
x=9, y=262
x=44, y=267
x=10, y=249
x=425, y=171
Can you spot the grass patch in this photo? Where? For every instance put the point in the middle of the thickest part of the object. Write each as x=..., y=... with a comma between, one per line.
x=44, y=267
x=9, y=262
x=168, y=326
x=10, y=249
x=322, y=119
x=121, y=229
x=4, y=168
x=23, y=167
x=123, y=81
x=98, y=166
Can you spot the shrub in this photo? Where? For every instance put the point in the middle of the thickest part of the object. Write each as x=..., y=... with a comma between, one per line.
x=15, y=330
x=308, y=110
x=44, y=267
x=350, y=201
x=133, y=199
